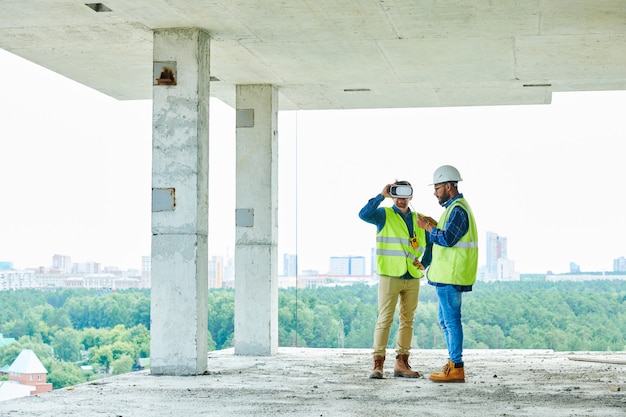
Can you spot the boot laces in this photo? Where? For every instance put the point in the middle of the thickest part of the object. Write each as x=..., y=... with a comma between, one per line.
x=446, y=369
x=406, y=362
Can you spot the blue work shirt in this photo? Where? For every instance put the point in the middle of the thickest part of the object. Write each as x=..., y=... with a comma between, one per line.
x=374, y=214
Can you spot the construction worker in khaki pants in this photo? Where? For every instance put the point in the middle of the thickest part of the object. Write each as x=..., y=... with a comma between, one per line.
x=400, y=248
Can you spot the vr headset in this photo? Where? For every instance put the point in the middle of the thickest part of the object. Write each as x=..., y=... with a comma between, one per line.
x=401, y=191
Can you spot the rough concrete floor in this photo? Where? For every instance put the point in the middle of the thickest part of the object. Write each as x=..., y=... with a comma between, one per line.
x=299, y=382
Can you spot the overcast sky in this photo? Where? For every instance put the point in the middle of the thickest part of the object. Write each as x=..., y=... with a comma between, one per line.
x=75, y=175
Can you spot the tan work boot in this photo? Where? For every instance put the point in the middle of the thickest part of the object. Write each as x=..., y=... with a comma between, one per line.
x=451, y=372
x=377, y=372
x=403, y=369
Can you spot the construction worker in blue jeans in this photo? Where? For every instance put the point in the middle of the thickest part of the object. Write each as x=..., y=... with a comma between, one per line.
x=453, y=267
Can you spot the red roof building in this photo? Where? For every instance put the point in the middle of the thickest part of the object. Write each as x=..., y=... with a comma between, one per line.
x=27, y=369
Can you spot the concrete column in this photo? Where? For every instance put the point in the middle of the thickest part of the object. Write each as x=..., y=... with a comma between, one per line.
x=256, y=272
x=180, y=171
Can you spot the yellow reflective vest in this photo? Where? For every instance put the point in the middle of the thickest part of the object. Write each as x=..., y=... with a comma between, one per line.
x=458, y=264
x=394, y=252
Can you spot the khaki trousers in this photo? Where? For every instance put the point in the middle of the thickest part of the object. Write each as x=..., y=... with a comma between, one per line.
x=390, y=290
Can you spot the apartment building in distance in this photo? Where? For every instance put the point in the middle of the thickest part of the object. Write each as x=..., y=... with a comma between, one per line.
x=346, y=265
x=498, y=266
x=65, y=274
x=216, y=271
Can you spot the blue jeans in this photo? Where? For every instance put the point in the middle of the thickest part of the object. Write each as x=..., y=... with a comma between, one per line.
x=450, y=320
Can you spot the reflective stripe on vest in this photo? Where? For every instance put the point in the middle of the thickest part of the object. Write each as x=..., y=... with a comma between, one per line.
x=458, y=264
x=395, y=255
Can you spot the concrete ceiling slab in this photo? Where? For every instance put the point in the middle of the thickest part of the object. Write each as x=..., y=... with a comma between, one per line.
x=338, y=54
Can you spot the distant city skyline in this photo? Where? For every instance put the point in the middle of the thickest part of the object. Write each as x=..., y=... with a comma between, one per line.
x=342, y=271
x=290, y=262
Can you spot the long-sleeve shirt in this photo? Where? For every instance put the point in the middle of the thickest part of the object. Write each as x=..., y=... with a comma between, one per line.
x=454, y=229
x=374, y=214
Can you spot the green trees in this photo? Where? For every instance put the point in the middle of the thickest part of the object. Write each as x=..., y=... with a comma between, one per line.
x=221, y=317
x=503, y=315
x=96, y=310
x=539, y=315
x=101, y=357
x=63, y=374
x=67, y=328
x=66, y=345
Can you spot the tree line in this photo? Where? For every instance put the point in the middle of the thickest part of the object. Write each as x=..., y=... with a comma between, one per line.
x=109, y=331
x=561, y=316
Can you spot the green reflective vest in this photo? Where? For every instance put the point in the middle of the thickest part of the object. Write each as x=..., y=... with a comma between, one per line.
x=394, y=252
x=458, y=264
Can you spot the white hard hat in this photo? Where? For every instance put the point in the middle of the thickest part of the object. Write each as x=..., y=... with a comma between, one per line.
x=446, y=173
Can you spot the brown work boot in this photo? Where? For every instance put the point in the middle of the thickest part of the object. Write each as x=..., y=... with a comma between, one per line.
x=377, y=372
x=403, y=369
x=451, y=372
